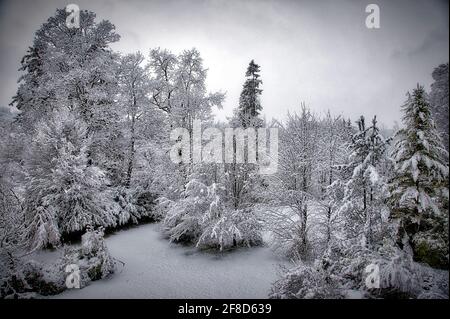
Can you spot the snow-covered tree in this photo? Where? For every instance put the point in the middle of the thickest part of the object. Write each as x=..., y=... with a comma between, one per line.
x=289, y=195
x=366, y=190
x=178, y=87
x=74, y=68
x=184, y=217
x=224, y=227
x=419, y=189
x=304, y=282
x=206, y=216
x=288, y=213
x=95, y=257
x=163, y=64
x=64, y=193
x=249, y=103
x=240, y=181
x=331, y=173
x=69, y=66
x=134, y=83
x=297, y=154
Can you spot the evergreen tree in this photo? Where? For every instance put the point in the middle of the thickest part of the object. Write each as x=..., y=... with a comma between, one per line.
x=249, y=104
x=243, y=177
x=365, y=191
x=419, y=189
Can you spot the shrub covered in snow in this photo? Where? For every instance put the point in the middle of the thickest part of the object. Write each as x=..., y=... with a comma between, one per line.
x=231, y=228
x=93, y=258
x=131, y=205
x=345, y=268
x=64, y=194
x=28, y=279
x=20, y=278
x=288, y=225
x=303, y=282
x=183, y=218
x=203, y=217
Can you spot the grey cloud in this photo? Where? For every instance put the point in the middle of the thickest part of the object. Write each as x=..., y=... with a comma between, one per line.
x=314, y=51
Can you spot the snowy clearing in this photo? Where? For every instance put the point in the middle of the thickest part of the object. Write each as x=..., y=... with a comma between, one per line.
x=155, y=268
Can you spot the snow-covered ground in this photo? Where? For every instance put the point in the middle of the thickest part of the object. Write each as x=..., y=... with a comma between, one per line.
x=155, y=268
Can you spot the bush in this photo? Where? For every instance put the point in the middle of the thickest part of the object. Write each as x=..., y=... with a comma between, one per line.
x=432, y=249
x=304, y=282
x=63, y=193
x=20, y=279
x=133, y=205
x=93, y=258
x=203, y=218
x=231, y=229
x=343, y=268
x=183, y=221
x=288, y=220
x=30, y=279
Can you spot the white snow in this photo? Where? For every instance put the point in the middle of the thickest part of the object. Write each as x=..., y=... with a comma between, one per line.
x=155, y=268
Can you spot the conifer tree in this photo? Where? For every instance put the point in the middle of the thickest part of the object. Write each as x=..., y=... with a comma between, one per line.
x=365, y=191
x=249, y=104
x=419, y=189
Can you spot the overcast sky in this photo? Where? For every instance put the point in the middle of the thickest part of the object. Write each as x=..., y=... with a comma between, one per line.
x=319, y=52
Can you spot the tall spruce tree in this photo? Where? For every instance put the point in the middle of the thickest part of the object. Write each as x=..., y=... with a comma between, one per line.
x=419, y=189
x=365, y=191
x=249, y=104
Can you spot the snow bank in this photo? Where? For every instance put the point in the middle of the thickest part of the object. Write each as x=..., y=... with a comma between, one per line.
x=155, y=268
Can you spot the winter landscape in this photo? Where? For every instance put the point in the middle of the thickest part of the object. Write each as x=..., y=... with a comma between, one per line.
x=224, y=149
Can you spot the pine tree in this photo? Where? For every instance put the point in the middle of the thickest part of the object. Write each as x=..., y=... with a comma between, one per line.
x=243, y=177
x=365, y=191
x=249, y=104
x=419, y=189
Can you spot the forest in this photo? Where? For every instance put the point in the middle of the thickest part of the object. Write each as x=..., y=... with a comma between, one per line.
x=85, y=151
